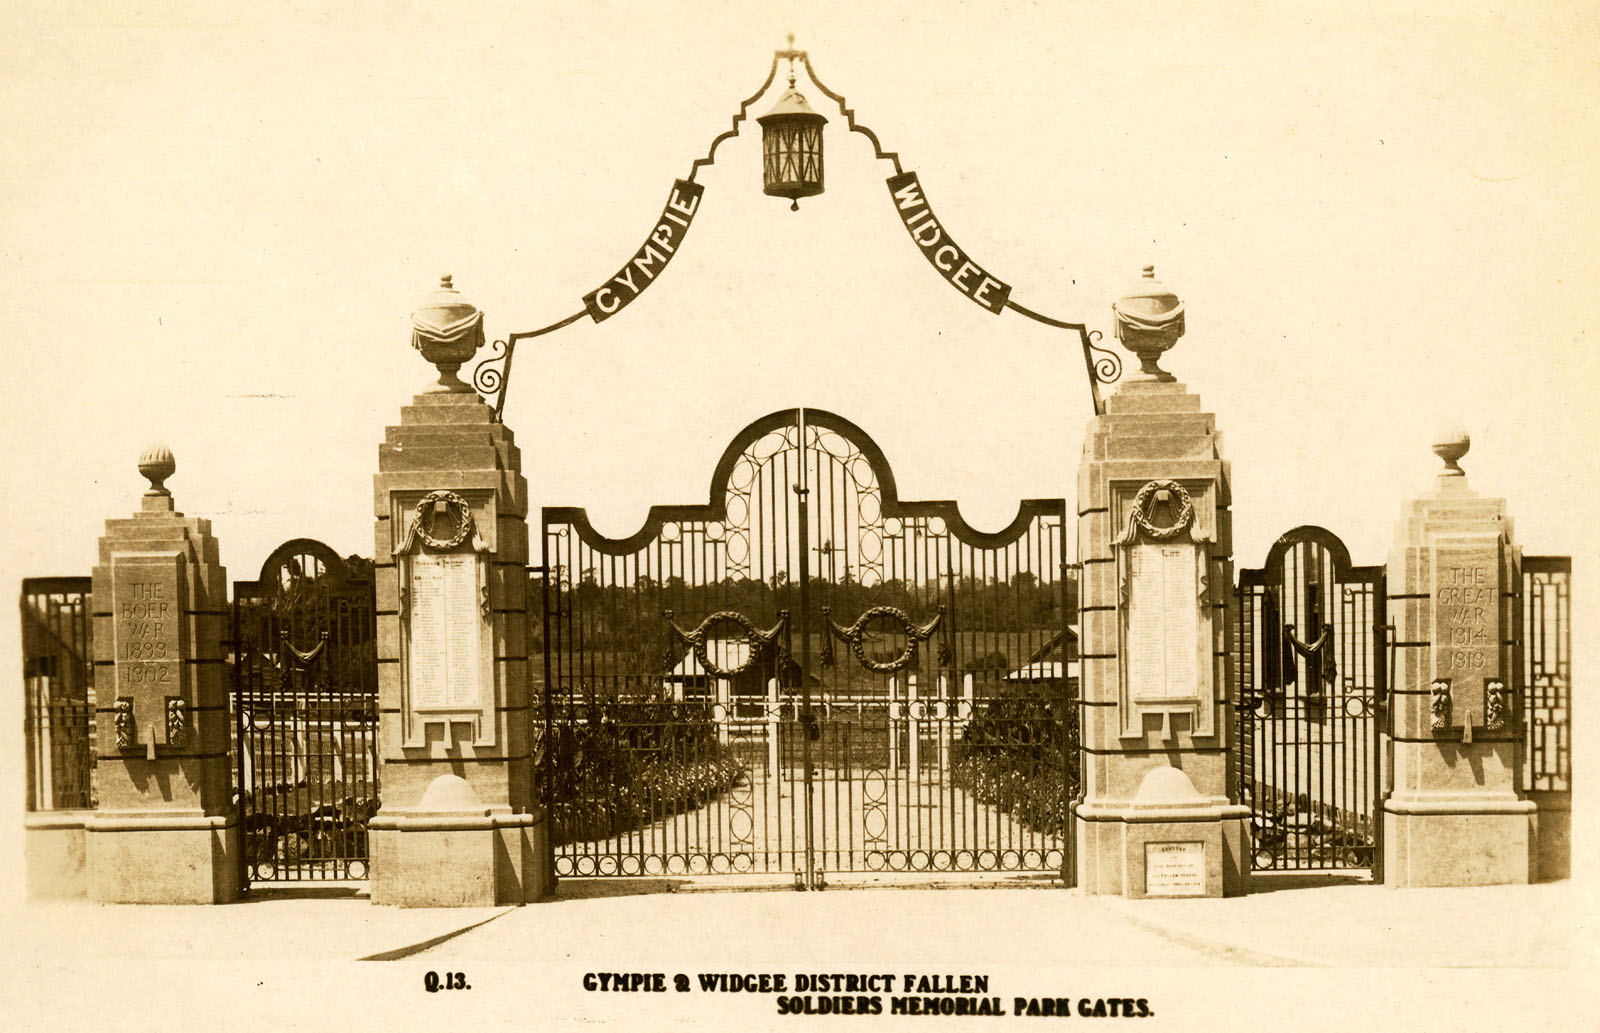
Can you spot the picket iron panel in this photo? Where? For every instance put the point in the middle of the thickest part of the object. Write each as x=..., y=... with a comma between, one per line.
x=808, y=675
x=58, y=693
x=305, y=706
x=1311, y=705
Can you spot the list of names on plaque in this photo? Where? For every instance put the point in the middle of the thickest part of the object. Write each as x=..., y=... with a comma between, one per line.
x=1163, y=622
x=446, y=626
x=1174, y=869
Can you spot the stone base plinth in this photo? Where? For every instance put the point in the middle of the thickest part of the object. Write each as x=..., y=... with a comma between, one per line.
x=53, y=849
x=161, y=858
x=458, y=860
x=1112, y=856
x=1169, y=840
x=1553, y=830
x=1452, y=842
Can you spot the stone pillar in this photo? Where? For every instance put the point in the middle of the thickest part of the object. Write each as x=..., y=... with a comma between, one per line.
x=459, y=824
x=166, y=830
x=1159, y=815
x=1454, y=816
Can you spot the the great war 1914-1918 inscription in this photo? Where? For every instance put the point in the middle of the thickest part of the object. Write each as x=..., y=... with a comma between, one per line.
x=1466, y=612
x=1163, y=622
x=445, y=642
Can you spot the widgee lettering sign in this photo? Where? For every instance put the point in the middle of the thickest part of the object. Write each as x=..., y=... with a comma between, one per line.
x=953, y=264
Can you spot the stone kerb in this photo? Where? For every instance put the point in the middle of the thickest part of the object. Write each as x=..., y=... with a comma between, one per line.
x=166, y=830
x=1455, y=816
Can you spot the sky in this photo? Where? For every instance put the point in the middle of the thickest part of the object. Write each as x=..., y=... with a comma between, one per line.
x=217, y=220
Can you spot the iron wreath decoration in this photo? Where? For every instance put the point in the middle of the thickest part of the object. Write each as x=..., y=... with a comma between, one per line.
x=759, y=641
x=855, y=634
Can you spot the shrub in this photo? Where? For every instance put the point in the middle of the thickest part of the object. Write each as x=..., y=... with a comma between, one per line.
x=629, y=765
x=1011, y=757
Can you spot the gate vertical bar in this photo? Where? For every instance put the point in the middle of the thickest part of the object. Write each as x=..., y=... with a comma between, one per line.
x=807, y=720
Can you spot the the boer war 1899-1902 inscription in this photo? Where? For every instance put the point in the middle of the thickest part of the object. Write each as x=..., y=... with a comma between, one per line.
x=1466, y=600
x=1163, y=623
x=445, y=640
x=146, y=633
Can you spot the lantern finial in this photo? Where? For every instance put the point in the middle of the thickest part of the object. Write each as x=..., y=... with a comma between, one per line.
x=791, y=143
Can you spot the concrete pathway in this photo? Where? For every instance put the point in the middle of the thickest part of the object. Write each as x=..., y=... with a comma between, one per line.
x=1335, y=957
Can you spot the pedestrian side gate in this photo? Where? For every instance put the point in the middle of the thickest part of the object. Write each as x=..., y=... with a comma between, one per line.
x=305, y=715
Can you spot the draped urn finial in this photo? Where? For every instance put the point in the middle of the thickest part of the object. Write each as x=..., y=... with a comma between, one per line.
x=448, y=330
x=1149, y=321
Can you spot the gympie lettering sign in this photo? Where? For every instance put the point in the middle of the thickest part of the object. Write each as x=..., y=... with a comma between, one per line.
x=641, y=271
x=953, y=264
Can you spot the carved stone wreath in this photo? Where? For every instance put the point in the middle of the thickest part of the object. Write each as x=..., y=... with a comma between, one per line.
x=759, y=641
x=1142, y=505
x=458, y=509
x=855, y=634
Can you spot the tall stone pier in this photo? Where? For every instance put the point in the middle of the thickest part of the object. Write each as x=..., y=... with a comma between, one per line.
x=1454, y=816
x=166, y=830
x=1160, y=813
x=459, y=824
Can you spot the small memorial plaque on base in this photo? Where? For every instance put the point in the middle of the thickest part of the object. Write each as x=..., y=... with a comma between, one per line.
x=1175, y=869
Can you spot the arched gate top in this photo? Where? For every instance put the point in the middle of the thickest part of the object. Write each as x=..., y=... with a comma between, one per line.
x=715, y=508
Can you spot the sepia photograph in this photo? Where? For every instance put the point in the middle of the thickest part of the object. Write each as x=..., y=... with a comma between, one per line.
x=726, y=516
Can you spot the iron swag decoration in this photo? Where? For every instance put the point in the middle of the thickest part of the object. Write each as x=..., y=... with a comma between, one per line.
x=792, y=168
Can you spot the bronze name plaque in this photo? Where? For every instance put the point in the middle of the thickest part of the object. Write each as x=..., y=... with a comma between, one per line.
x=446, y=644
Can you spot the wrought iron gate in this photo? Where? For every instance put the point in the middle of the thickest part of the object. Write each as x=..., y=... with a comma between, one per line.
x=808, y=675
x=58, y=693
x=306, y=715
x=1312, y=702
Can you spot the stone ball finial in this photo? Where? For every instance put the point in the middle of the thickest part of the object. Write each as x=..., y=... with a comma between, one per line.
x=1450, y=444
x=156, y=464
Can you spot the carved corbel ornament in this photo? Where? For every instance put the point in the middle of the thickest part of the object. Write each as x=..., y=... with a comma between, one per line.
x=124, y=723
x=759, y=641
x=855, y=634
x=177, y=721
x=1494, y=705
x=1439, y=705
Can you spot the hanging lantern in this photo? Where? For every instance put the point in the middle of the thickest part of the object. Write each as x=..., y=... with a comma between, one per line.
x=791, y=148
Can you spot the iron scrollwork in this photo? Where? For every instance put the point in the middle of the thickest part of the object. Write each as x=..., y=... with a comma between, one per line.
x=855, y=634
x=1107, y=364
x=760, y=642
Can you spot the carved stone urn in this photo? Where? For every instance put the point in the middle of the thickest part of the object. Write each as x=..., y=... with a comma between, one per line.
x=1149, y=321
x=448, y=330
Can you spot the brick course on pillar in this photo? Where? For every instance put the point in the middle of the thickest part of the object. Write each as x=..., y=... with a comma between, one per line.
x=1454, y=816
x=459, y=824
x=166, y=829
x=1160, y=813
